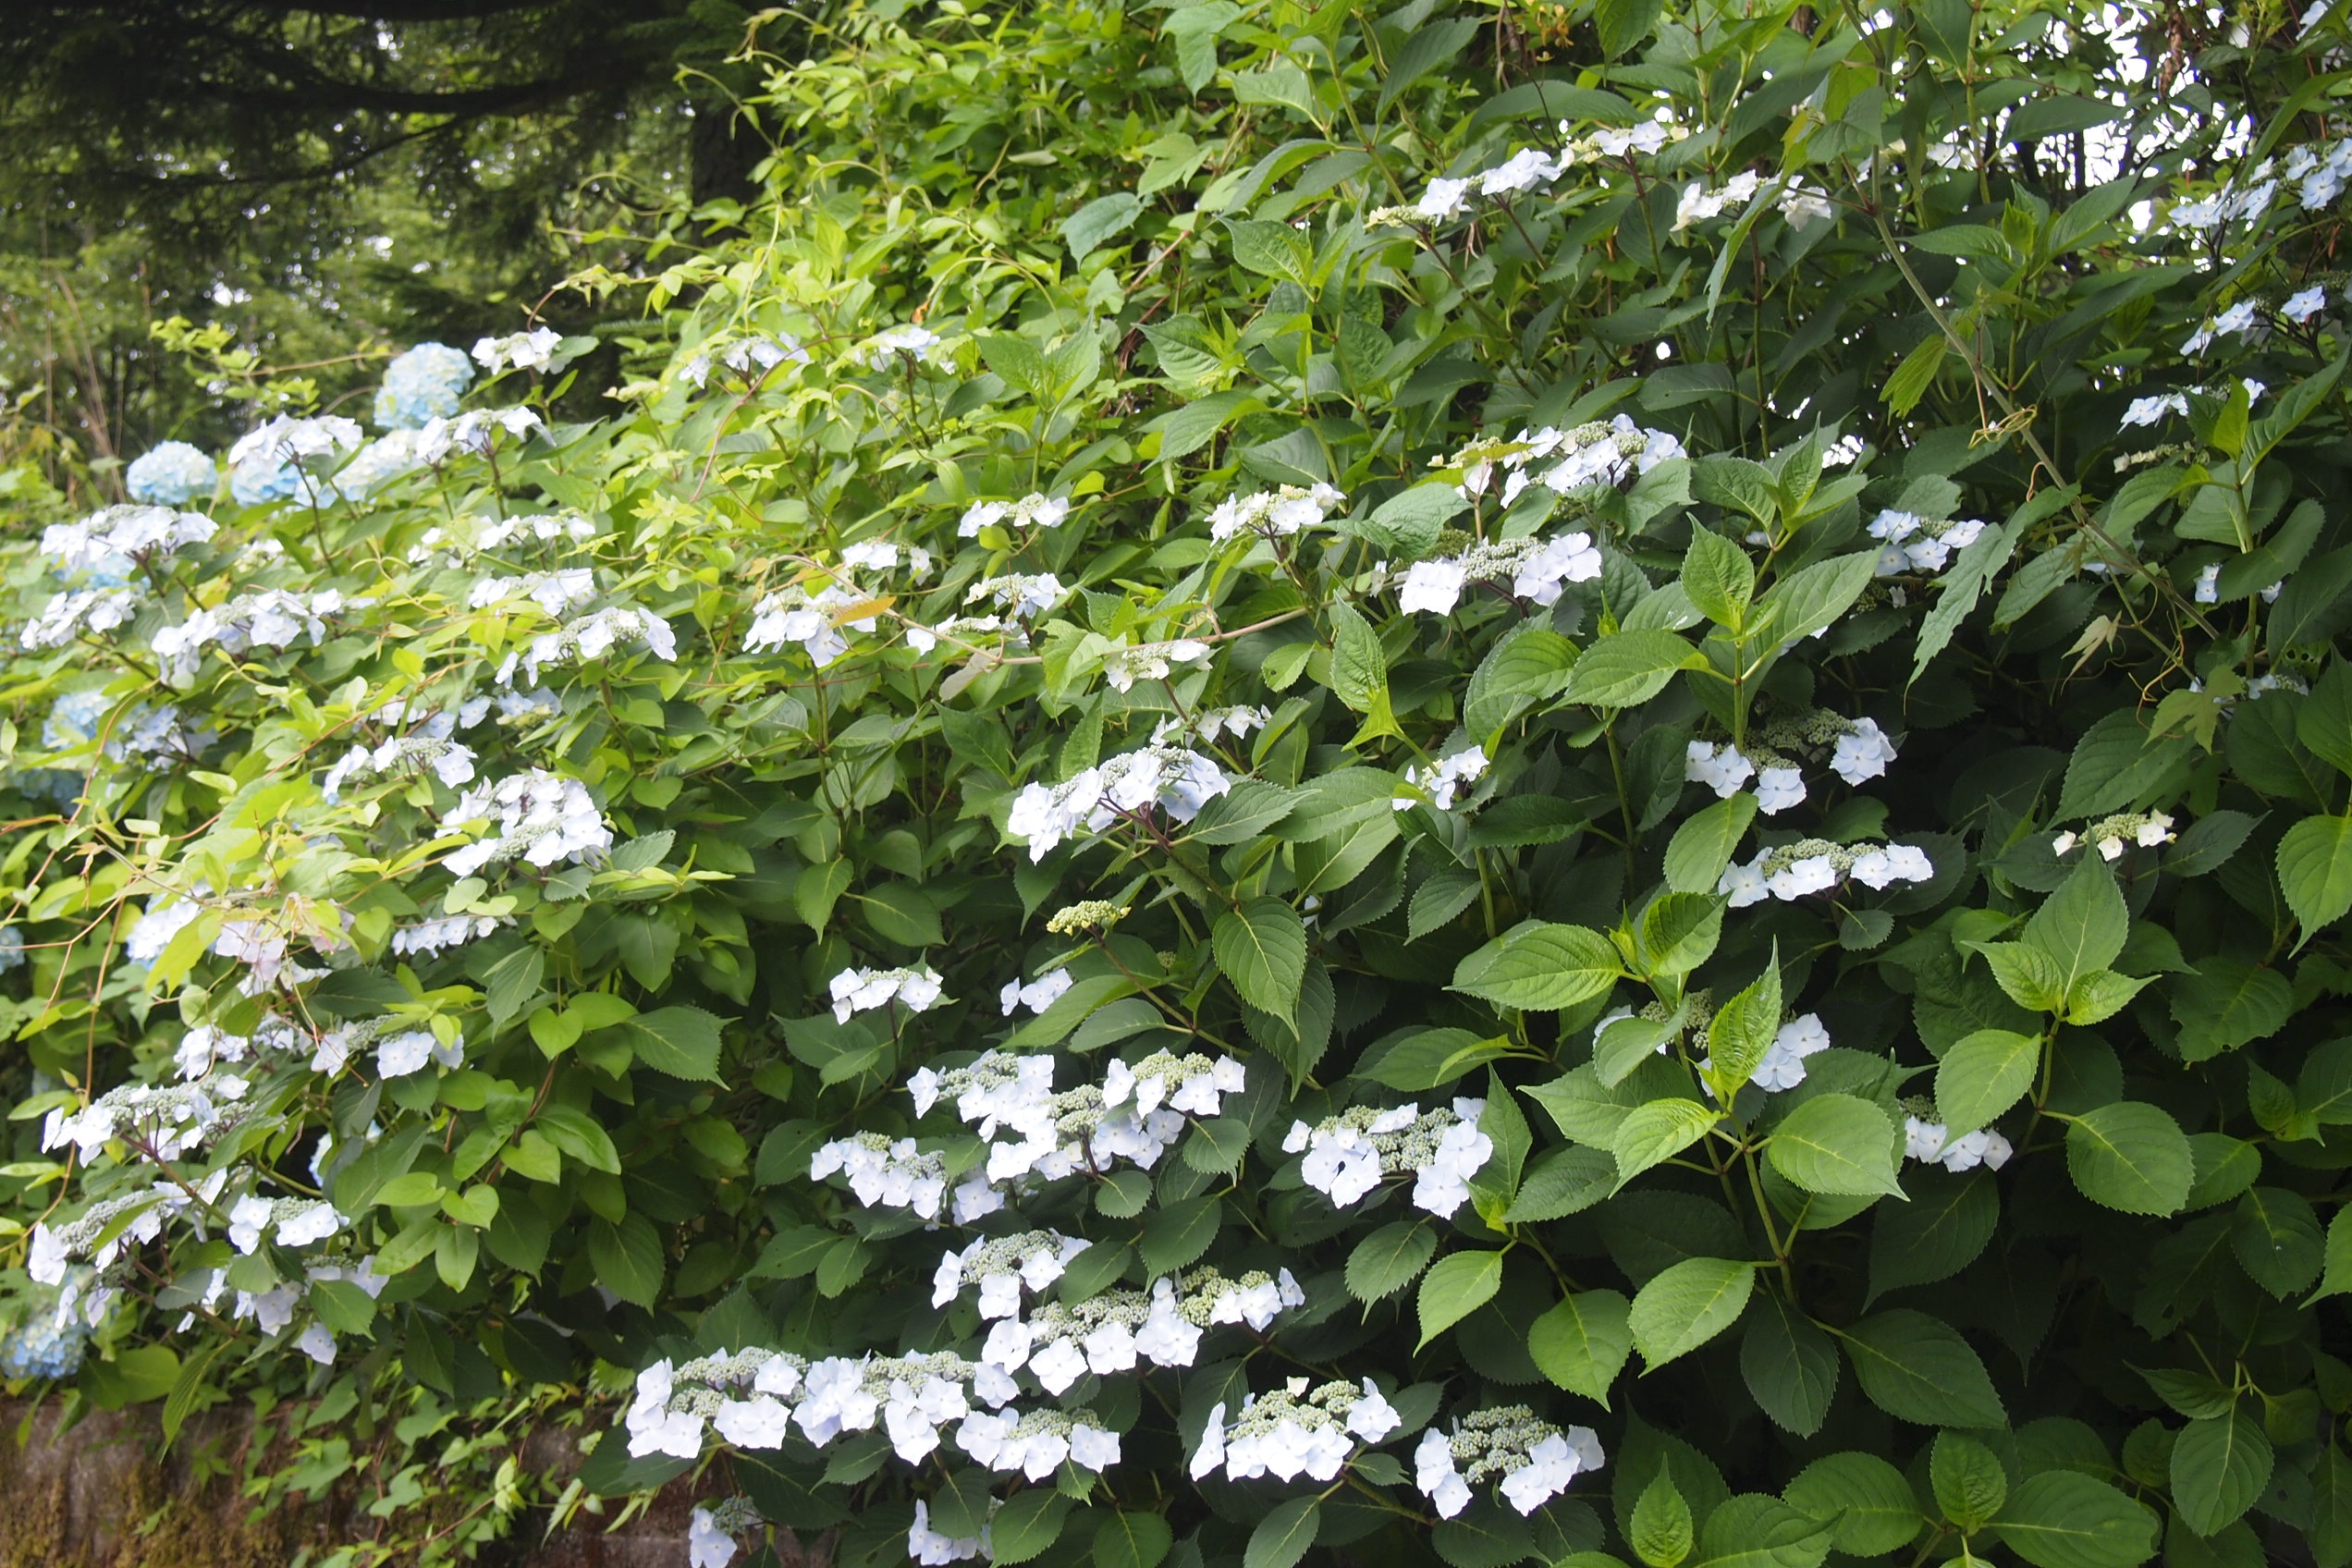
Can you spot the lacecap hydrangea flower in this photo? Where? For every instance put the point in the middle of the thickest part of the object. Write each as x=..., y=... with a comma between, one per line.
x=426, y=383
x=171, y=474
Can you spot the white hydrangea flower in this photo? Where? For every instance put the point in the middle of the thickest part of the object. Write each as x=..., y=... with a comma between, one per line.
x=1779, y=787
x=1862, y=753
x=1719, y=767
x=1444, y=778
x=534, y=349
x=1784, y=1064
x=1037, y=995
x=1150, y=661
x=861, y=990
x=539, y=818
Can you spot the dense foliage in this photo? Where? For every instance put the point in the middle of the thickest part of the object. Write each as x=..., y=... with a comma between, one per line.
x=1482, y=784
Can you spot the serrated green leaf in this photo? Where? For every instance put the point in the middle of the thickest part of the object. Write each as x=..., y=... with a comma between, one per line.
x=1687, y=1306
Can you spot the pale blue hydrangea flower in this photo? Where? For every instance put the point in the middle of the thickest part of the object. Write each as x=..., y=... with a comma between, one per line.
x=12, y=949
x=74, y=719
x=378, y=463
x=265, y=464
x=171, y=475
x=49, y=1344
x=424, y=384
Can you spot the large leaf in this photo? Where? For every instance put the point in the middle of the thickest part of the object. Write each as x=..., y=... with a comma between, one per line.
x=2220, y=1466
x=1790, y=1364
x=1627, y=669
x=1687, y=1306
x=1918, y=1369
x=1261, y=946
x=2315, y=870
x=1541, y=967
x=2131, y=1157
x=2065, y=1519
x=1455, y=1286
x=1836, y=1144
x=1285, y=1535
x=1583, y=1342
x=1982, y=1075
x=680, y=1041
x=2082, y=925
x=1865, y=1500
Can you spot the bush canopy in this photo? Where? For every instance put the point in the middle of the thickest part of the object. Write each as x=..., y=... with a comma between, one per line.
x=1541, y=783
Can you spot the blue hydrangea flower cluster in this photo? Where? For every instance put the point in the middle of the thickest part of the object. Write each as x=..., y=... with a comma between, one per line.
x=12, y=951
x=71, y=722
x=74, y=719
x=49, y=1344
x=171, y=475
x=424, y=384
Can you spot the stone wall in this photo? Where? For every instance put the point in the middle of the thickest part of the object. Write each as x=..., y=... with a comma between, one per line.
x=96, y=1497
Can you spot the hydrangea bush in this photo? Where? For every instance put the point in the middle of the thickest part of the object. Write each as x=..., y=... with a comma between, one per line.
x=1556, y=785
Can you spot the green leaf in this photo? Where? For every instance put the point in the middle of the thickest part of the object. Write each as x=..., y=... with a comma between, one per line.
x=1284, y=1536
x=1460, y=1284
x=1193, y=426
x=513, y=982
x=1743, y=1030
x=1410, y=521
x=189, y=1383
x=1626, y=669
x=1706, y=842
x=1812, y=597
x=1836, y=1144
x=1583, y=1342
x=1658, y=1130
x=1540, y=967
x=1262, y=948
x=2220, y=1466
x=2228, y=1003
x=1687, y=1306
x=1026, y=1525
x=2315, y=871
x=2065, y=1519
x=1755, y=1531
x=1562, y=1182
x=1359, y=669
x=1719, y=577
x=1934, y=1236
x=1916, y=374
x=1790, y=1364
x=2337, y=1275
x=1428, y=46
x=2130, y=1156
x=1085, y=230
x=1131, y=1541
x=679, y=1041
x=1180, y=1232
x=1983, y=1075
x=1660, y=1531
x=1623, y=1044
x=1272, y=250
x=2116, y=765
x=2324, y=721
x=1017, y=358
x=2027, y=975
x=1865, y=1500
x=628, y=1257
x=2277, y=1240
x=1679, y=932
x=1967, y=1479
x=1389, y=1260
x=1623, y=23
x=1917, y=1368
x=2082, y=925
